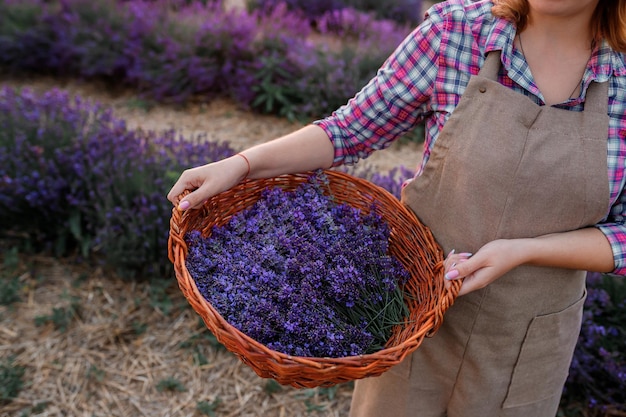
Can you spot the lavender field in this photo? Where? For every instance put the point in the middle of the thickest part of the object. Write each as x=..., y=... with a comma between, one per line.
x=91, y=319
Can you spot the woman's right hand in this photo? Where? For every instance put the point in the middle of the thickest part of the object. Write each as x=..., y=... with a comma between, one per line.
x=208, y=180
x=306, y=149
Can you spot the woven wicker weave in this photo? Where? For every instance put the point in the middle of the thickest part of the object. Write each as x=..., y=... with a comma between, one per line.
x=410, y=241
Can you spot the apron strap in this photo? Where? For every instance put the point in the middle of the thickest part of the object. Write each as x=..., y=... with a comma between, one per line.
x=597, y=97
x=491, y=66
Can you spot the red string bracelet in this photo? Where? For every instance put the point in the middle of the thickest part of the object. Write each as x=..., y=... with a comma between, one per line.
x=247, y=163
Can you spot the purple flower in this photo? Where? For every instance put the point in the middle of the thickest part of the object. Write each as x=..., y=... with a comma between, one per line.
x=302, y=275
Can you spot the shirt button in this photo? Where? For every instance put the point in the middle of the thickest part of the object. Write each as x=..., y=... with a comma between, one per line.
x=482, y=89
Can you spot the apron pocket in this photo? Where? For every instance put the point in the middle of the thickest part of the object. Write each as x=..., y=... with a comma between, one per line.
x=545, y=356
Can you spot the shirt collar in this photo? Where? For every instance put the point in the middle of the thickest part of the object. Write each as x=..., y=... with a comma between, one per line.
x=500, y=38
x=604, y=62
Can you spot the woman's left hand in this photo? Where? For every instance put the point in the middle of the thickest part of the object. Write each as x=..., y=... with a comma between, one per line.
x=488, y=264
x=585, y=249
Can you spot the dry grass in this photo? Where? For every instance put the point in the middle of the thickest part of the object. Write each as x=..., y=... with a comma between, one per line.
x=131, y=349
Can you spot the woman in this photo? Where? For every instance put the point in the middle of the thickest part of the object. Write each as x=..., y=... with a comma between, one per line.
x=525, y=110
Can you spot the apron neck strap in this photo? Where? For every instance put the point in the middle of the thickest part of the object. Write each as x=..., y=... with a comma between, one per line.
x=491, y=66
x=596, y=97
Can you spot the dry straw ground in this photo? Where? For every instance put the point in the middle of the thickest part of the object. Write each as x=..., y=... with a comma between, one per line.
x=133, y=349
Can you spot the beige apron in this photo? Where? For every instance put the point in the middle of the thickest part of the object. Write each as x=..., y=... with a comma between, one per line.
x=502, y=167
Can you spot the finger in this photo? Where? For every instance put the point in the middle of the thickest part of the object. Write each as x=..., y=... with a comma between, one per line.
x=178, y=188
x=455, y=259
x=469, y=285
x=193, y=200
x=465, y=288
x=456, y=272
x=452, y=255
x=452, y=274
x=461, y=268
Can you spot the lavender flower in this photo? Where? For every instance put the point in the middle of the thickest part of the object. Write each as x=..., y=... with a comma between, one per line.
x=303, y=275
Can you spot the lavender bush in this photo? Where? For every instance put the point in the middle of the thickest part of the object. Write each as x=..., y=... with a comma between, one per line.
x=308, y=8
x=197, y=51
x=285, y=59
x=312, y=79
x=91, y=39
x=25, y=40
x=401, y=11
x=179, y=50
x=596, y=385
x=335, y=75
x=303, y=275
x=74, y=177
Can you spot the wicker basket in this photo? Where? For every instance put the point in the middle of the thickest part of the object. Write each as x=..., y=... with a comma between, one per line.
x=410, y=241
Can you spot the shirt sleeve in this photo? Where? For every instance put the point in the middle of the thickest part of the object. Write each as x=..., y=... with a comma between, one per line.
x=614, y=226
x=393, y=102
x=615, y=232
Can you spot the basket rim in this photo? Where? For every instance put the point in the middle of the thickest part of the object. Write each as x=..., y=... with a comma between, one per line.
x=241, y=343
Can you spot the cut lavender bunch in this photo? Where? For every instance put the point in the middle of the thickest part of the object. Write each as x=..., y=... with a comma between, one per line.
x=303, y=275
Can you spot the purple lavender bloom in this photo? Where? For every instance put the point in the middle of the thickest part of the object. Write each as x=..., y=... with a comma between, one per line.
x=301, y=274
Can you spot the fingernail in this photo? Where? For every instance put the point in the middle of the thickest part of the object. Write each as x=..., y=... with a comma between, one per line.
x=451, y=252
x=453, y=265
x=184, y=205
x=452, y=274
x=466, y=254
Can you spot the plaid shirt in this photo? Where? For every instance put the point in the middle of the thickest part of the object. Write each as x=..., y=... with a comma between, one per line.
x=424, y=78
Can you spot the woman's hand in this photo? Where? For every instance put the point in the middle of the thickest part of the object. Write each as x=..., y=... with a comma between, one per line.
x=488, y=264
x=306, y=149
x=208, y=180
x=583, y=249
